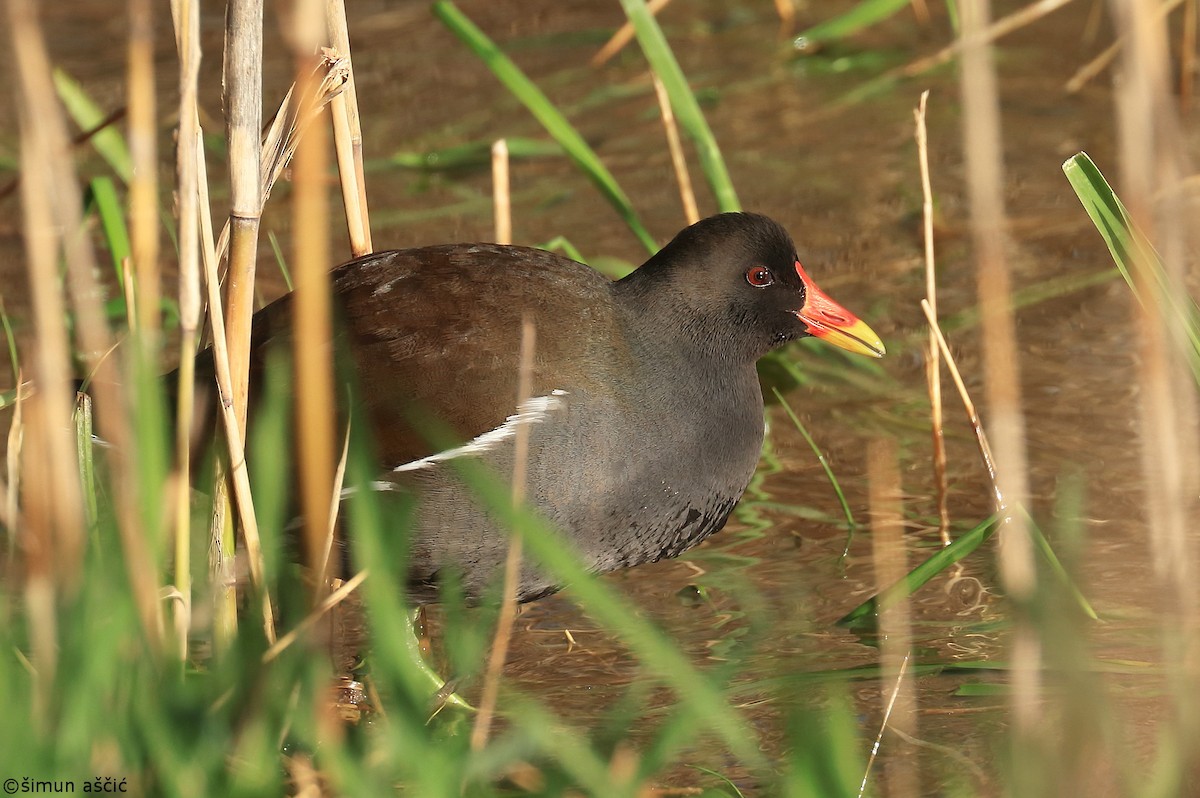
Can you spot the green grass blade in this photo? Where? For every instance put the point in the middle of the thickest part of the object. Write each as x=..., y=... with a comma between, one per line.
x=112, y=220
x=917, y=577
x=86, y=462
x=603, y=603
x=837, y=488
x=733, y=789
x=825, y=753
x=683, y=102
x=11, y=338
x=863, y=15
x=1056, y=566
x=436, y=683
x=87, y=115
x=1130, y=248
x=1105, y=210
x=562, y=244
x=544, y=111
x=952, y=15
x=280, y=259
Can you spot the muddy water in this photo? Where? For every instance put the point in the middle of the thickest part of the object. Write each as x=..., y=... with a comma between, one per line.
x=844, y=181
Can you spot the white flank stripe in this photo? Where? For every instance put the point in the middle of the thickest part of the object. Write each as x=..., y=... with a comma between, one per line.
x=532, y=411
x=376, y=485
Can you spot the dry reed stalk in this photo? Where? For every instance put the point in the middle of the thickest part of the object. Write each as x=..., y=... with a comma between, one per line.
x=36, y=539
x=328, y=77
x=933, y=360
x=305, y=779
x=233, y=438
x=347, y=173
x=53, y=500
x=335, y=504
x=187, y=175
x=512, y=563
x=142, y=135
x=313, y=320
x=287, y=128
x=1002, y=379
x=1153, y=166
x=237, y=466
x=883, y=726
x=53, y=201
x=222, y=533
x=347, y=134
x=678, y=161
x=623, y=36
x=890, y=559
x=501, y=195
x=242, y=99
x=327, y=603
x=243, y=123
x=985, y=449
x=623, y=766
x=1001, y=27
x=280, y=143
x=1098, y=64
x=786, y=9
x=222, y=545
x=921, y=12
x=129, y=285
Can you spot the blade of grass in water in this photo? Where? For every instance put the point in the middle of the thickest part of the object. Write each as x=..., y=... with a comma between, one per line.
x=837, y=488
x=544, y=111
x=1129, y=246
x=1043, y=545
x=945, y=557
x=87, y=115
x=112, y=221
x=683, y=102
x=863, y=15
x=917, y=577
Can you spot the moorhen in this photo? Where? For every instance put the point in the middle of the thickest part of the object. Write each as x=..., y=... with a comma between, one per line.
x=646, y=417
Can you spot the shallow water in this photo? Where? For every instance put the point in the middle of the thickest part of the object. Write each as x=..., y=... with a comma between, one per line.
x=843, y=179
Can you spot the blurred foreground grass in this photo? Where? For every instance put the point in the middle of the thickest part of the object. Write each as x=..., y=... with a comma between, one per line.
x=94, y=690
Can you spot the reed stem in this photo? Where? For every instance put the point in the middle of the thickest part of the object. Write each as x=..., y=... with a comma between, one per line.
x=347, y=135
x=313, y=322
x=933, y=359
x=187, y=171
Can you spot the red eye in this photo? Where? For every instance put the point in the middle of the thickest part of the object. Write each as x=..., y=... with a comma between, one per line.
x=759, y=276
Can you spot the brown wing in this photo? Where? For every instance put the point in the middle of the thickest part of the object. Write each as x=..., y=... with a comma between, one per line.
x=435, y=334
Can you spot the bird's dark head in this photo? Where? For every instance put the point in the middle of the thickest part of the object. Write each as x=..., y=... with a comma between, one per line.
x=735, y=281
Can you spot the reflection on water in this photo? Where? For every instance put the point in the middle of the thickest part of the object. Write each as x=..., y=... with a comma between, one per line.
x=766, y=591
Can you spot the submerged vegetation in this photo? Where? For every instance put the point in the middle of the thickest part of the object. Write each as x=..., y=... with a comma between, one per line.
x=135, y=648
